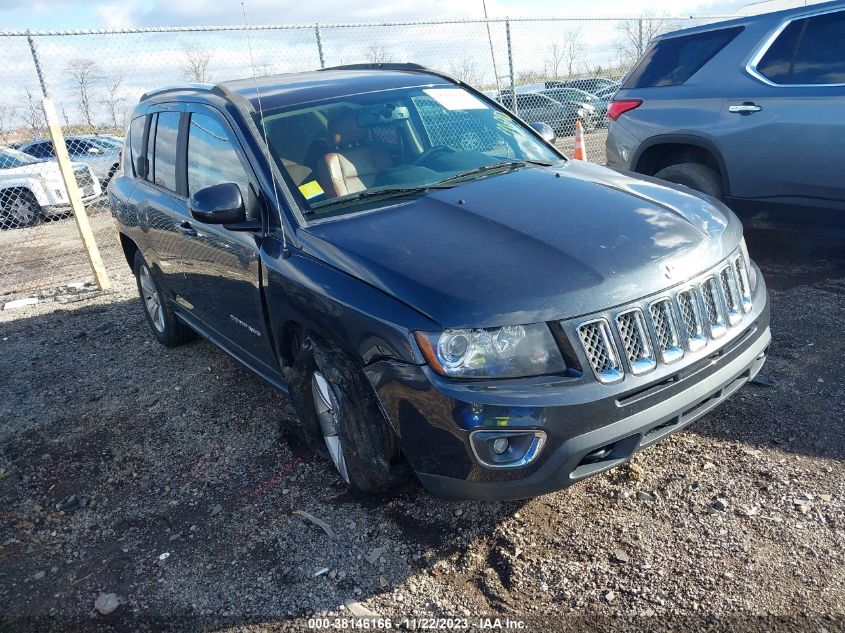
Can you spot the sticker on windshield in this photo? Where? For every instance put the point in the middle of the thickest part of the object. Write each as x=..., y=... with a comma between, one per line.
x=455, y=99
x=311, y=189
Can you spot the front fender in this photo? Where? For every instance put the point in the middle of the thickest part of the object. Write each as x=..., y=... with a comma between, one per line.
x=324, y=302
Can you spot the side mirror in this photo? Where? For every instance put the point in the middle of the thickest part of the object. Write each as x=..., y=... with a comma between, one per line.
x=142, y=167
x=218, y=204
x=94, y=150
x=544, y=130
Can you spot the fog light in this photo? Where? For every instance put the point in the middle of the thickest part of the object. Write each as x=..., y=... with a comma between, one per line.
x=506, y=448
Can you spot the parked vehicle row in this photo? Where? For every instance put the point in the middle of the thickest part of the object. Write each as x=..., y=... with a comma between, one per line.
x=749, y=111
x=33, y=189
x=438, y=289
x=101, y=153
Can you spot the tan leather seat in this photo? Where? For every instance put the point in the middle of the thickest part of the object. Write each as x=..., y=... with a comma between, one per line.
x=290, y=138
x=353, y=164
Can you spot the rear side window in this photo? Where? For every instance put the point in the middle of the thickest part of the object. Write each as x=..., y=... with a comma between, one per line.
x=164, y=159
x=672, y=61
x=41, y=150
x=821, y=54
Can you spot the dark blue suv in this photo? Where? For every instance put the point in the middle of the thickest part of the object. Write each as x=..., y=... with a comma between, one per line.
x=437, y=288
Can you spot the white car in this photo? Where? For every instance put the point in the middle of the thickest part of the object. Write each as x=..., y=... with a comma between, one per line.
x=32, y=189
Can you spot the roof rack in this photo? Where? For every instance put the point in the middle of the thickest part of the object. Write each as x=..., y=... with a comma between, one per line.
x=380, y=66
x=176, y=88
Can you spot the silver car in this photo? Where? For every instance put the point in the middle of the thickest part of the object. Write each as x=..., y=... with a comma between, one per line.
x=101, y=154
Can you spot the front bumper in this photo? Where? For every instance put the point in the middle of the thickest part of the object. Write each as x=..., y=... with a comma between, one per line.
x=434, y=418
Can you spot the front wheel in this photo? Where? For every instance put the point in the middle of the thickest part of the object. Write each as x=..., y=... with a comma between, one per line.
x=18, y=210
x=340, y=419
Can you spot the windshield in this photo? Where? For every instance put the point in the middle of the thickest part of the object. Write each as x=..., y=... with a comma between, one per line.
x=338, y=153
x=11, y=158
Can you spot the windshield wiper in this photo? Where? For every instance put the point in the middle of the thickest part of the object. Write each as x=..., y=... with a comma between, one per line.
x=512, y=164
x=373, y=193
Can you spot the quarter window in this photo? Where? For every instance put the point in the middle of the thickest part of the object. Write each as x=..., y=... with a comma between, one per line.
x=776, y=64
x=164, y=159
x=212, y=159
x=672, y=61
x=136, y=139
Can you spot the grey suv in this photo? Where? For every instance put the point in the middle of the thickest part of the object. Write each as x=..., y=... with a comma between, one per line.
x=750, y=111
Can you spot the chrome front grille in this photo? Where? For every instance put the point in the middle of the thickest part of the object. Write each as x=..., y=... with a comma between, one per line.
x=600, y=349
x=731, y=294
x=665, y=331
x=713, y=306
x=636, y=342
x=744, y=285
x=660, y=331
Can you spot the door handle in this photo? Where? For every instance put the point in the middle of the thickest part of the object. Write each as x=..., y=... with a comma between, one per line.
x=745, y=108
x=185, y=228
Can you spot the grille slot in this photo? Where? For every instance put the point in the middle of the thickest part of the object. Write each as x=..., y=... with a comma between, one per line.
x=84, y=181
x=636, y=343
x=665, y=331
x=743, y=283
x=727, y=282
x=692, y=320
x=713, y=307
x=601, y=351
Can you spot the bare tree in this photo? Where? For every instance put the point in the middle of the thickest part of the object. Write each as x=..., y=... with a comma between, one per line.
x=115, y=103
x=33, y=116
x=466, y=70
x=378, y=55
x=195, y=66
x=636, y=33
x=565, y=56
x=86, y=74
x=7, y=118
x=573, y=51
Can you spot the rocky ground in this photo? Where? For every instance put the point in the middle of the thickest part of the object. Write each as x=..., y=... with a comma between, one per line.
x=144, y=488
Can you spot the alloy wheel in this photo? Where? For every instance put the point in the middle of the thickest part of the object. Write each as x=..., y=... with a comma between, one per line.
x=326, y=405
x=152, y=301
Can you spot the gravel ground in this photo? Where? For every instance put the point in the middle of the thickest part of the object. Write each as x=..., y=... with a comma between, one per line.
x=164, y=477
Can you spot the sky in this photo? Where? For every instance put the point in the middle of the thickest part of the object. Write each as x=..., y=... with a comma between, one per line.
x=75, y=14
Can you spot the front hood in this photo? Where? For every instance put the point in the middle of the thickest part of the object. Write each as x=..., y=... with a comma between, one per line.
x=531, y=245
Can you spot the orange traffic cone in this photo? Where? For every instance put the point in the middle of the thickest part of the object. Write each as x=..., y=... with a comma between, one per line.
x=580, y=152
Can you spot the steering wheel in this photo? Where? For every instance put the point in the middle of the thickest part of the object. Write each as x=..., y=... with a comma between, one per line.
x=433, y=151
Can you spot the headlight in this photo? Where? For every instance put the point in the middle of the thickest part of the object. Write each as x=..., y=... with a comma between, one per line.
x=506, y=352
x=581, y=112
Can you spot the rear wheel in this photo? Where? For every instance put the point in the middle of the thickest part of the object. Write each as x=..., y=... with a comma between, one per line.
x=340, y=419
x=695, y=176
x=18, y=209
x=168, y=329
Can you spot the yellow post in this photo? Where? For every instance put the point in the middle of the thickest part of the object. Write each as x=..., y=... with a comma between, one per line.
x=76, y=205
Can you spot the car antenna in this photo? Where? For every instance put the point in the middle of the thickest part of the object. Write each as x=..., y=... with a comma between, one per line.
x=285, y=251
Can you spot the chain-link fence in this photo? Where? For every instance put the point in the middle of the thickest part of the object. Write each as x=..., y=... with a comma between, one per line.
x=554, y=70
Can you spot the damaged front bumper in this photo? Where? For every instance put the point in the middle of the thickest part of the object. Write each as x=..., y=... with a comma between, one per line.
x=576, y=427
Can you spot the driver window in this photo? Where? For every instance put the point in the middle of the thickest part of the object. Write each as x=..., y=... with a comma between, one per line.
x=212, y=159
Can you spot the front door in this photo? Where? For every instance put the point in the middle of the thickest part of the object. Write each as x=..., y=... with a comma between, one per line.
x=219, y=268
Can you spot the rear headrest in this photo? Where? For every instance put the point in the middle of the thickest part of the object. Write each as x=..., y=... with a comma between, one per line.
x=344, y=129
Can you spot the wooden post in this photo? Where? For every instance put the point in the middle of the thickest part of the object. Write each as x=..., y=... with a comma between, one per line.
x=76, y=205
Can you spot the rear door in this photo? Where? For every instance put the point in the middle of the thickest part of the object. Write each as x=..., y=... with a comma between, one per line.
x=161, y=193
x=220, y=269
x=783, y=127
